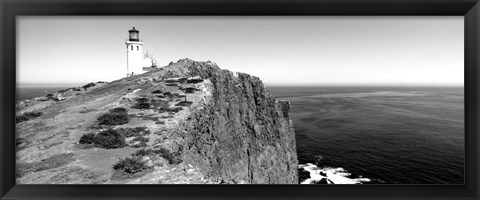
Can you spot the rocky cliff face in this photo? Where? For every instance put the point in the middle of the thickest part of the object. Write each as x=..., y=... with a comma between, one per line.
x=217, y=127
x=242, y=134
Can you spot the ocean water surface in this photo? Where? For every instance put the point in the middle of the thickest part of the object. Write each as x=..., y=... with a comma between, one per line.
x=391, y=135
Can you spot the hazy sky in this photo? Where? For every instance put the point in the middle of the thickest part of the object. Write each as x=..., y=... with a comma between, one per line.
x=280, y=50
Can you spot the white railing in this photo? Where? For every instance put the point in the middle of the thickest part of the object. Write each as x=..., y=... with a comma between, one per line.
x=128, y=40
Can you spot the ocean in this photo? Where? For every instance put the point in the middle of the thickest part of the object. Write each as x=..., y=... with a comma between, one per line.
x=379, y=135
x=24, y=93
x=370, y=135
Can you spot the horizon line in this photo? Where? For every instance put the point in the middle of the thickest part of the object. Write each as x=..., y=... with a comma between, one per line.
x=79, y=84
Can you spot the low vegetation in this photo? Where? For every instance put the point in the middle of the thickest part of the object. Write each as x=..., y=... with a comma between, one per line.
x=85, y=87
x=27, y=116
x=194, y=81
x=190, y=90
x=172, y=158
x=140, y=141
x=134, y=132
x=87, y=138
x=109, y=139
x=45, y=164
x=142, y=103
x=131, y=165
x=184, y=103
x=116, y=116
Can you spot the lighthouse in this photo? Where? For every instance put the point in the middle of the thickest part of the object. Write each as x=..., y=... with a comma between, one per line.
x=138, y=62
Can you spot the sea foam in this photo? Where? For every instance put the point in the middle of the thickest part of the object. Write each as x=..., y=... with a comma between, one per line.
x=332, y=175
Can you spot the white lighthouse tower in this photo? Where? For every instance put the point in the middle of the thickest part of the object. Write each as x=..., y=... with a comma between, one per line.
x=137, y=61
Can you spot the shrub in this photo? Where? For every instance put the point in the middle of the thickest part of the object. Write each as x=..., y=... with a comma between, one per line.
x=184, y=103
x=143, y=152
x=194, y=81
x=27, y=116
x=109, y=139
x=85, y=87
x=182, y=80
x=87, y=138
x=173, y=158
x=119, y=110
x=116, y=116
x=130, y=165
x=190, y=90
x=142, y=103
x=142, y=99
x=174, y=109
x=142, y=106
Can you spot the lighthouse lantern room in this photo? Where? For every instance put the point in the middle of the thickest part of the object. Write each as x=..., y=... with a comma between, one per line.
x=137, y=61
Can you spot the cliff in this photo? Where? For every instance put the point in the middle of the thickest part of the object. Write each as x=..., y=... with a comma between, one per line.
x=188, y=122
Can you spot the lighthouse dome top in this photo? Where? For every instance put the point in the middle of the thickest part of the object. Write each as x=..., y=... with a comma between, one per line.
x=133, y=30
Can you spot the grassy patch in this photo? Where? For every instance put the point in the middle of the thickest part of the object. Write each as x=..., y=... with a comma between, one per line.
x=140, y=141
x=134, y=132
x=27, y=116
x=109, y=139
x=22, y=143
x=167, y=117
x=116, y=116
x=159, y=103
x=45, y=164
x=86, y=110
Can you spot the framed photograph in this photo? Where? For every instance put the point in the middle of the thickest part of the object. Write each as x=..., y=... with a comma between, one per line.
x=254, y=99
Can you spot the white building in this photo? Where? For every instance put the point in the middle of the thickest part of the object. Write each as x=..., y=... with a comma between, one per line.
x=138, y=62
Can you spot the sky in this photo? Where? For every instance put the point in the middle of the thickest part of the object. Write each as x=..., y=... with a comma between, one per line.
x=281, y=50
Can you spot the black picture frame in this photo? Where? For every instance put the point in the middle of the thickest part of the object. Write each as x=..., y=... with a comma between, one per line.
x=9, y=9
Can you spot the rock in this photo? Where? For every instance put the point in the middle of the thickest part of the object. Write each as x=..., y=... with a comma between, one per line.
x=148, y=162
x=195, y=79
x=321, y=181
x=160, y=162
x=242, y=133
x=303, y=175
x=58, y=97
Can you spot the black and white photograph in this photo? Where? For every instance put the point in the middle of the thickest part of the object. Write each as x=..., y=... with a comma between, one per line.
x=240, y=100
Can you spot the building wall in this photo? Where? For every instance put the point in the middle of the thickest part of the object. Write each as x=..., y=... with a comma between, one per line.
x=135, y=58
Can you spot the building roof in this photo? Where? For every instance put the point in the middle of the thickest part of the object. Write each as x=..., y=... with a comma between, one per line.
x=133, y=30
